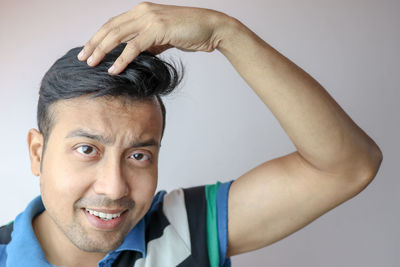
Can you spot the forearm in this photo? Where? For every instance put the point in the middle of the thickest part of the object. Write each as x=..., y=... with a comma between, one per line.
x=321, y=131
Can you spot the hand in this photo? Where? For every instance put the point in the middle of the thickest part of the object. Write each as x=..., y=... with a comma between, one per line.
x=155, y=28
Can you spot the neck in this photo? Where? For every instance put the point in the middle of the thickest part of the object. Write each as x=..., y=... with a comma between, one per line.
x=57, y=248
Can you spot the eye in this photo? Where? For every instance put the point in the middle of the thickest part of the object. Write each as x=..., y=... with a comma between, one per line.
x=140, y=157
x=87, y=150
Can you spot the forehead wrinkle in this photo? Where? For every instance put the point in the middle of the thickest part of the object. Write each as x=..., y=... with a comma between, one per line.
x=91, y=135
x=112, y=120
x=106, y=140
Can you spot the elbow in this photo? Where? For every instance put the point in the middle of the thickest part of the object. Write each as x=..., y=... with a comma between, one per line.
x=371, y=166
x=376, y=156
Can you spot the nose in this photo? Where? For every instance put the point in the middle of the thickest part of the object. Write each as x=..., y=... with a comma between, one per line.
x=110, y=180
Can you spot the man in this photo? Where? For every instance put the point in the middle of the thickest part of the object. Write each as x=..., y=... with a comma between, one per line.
x=96, y=153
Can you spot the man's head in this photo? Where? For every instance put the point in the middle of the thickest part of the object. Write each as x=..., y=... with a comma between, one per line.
x=145, y=78
x=97, y=147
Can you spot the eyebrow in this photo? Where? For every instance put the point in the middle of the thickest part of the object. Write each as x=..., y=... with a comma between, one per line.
x=109, y=141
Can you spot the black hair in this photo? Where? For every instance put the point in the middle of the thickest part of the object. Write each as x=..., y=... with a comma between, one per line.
x=144, y=78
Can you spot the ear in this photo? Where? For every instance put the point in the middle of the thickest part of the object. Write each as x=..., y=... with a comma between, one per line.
x=35, y=145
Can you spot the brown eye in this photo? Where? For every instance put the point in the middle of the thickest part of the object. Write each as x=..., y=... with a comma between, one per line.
x=86, y=150
x=140, y=156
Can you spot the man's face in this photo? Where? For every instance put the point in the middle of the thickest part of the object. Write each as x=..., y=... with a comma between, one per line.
x=101, y=159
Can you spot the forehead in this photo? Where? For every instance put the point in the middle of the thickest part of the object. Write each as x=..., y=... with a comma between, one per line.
x=111, y=116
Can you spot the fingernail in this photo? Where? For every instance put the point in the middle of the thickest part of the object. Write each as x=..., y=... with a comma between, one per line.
x=90, y=59
x=111, y=70
x=81, y=54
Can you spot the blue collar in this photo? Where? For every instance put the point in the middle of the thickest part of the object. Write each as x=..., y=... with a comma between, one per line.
x=25, y=250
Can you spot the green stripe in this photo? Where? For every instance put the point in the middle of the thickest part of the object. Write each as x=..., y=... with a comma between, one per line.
x=10, y=223
x=212, y=228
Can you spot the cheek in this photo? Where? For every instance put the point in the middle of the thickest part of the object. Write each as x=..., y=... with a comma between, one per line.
x=61, y=182
x=143, y=188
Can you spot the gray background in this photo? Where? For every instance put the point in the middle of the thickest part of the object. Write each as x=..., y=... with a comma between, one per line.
x=217, y=128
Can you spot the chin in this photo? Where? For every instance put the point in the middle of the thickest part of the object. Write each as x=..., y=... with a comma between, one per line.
x=99, y=246
x=100, y=242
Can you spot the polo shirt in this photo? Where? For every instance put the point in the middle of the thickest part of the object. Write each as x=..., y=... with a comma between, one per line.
x=185, y=227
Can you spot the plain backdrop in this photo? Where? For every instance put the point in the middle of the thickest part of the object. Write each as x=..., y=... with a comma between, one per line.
x=217, y=128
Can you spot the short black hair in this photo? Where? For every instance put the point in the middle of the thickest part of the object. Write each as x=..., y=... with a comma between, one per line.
x=145, y=78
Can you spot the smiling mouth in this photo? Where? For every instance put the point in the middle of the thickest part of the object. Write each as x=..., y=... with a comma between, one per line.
x=104, y=216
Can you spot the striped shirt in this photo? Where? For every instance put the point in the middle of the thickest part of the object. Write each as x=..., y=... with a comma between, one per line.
x=185, y=227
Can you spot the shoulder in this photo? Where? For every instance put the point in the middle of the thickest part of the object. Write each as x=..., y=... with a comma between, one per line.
x=168, y=219
x=193, y=222
x=176, y=225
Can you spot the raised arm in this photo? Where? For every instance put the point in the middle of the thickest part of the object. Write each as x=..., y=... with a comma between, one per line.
x=334, y=160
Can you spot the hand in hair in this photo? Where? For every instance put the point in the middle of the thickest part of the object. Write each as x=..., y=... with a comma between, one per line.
x=155, y=28
x=334, y=159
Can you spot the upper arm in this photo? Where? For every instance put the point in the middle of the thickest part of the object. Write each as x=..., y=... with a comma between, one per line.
x=280, y=197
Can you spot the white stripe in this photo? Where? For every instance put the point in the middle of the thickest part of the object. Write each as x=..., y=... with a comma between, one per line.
x=173, y=247
x=175, y=210
x=167, y=251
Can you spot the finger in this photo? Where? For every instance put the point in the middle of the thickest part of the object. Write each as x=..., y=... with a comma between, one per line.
x=135, y=13
x=116, y=36
x=94, y=41
x=131, y=51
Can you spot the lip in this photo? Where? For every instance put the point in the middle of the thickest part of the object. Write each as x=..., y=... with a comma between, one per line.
x=100, y=224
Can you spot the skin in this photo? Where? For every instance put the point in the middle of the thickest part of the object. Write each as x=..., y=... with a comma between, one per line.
x=95, y=173
x=334, y=160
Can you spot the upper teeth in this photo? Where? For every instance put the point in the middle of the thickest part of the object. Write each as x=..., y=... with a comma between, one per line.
x=104, y=216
